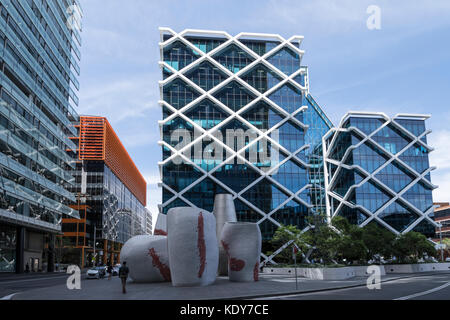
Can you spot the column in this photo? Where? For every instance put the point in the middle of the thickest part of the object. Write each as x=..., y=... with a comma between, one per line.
x=20, y=244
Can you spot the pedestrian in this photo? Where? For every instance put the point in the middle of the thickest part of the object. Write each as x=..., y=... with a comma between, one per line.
x=110, y=271
x=123, y=275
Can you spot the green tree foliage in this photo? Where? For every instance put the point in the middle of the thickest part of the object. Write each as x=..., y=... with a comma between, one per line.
x=378, y=241
x=446, y=242
x=285, y=234
x=410, y=247
x=344, y=242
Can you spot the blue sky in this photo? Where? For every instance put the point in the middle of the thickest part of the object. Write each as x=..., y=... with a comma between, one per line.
x=404, y=67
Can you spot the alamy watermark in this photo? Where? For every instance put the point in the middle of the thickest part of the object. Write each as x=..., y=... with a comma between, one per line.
x=74, y=20
x=215, y=148
x=74, y=280
x=374, y=280
x=374, y=20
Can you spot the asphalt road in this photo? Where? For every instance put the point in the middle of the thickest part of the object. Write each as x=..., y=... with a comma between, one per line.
x=423, y=287
x=420, y=287
x=10, y=284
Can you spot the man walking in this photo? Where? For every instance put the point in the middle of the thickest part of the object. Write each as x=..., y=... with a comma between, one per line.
x=110, y=271
x=123, y=275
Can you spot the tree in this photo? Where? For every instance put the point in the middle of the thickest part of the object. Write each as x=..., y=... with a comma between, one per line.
x=285, y=234
x=351, y=245
x=412, y=246
x=323, y=238
x=446, y=242
x=378, y=241
x=352, y=250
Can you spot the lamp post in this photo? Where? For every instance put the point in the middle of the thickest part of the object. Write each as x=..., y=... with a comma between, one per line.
x=95, y=243
x=440, y=237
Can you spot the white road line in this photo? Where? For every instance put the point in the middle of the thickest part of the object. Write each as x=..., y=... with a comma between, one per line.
x=425, y=292
x=8, y=297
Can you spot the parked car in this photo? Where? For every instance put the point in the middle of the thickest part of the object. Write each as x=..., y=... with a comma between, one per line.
x=96, y=273
x=115, y=271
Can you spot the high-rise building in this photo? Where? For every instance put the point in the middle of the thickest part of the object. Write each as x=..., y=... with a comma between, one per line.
x=39, y=66
x=111, y=196
x=377, y=170
x=149, y=224
x=238, y=118
x=442, y=217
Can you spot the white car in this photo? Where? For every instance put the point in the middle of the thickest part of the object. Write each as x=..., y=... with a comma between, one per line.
x=96, y=273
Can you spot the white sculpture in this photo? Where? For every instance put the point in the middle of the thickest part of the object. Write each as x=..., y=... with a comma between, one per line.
x=192, y=246
x=161, y=225
x=224, y=211
x=147, y=258
x=242, y=241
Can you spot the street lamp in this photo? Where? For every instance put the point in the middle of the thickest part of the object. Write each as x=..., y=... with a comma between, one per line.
x=95, y=243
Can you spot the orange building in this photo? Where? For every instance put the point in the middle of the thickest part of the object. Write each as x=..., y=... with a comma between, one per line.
x=111, y=195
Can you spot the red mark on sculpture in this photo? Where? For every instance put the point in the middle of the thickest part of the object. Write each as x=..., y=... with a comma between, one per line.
x=163, y=268
x=256, y=272
x=159, y=232
x=226, y=247
x=201, y=245
x=235, y=264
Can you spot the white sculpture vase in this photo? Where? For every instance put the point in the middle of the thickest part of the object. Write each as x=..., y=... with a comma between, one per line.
x=147, y=258
x=224, y=211
x=242, y=242
x=192, y=246
x=161, y=225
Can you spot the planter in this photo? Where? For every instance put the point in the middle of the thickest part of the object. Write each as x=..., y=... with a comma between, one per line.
x=192, y=246
x=224, y=211
x=242, y=243
x=414, y=268
x=147, y=258
x=342, y=273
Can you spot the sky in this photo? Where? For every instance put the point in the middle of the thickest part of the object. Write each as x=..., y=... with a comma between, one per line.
x=404, y=67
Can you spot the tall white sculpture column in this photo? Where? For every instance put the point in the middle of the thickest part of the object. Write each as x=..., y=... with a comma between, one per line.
x=224, y=211
x=193, y=247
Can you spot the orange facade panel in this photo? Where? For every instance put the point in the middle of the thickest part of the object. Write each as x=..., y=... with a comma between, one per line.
x=98, y=141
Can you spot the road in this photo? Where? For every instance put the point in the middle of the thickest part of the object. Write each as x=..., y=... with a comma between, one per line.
x=53, y=286
x=11, y=284
x=423, y=287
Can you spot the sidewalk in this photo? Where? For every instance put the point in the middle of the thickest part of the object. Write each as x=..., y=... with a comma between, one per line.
x=105, y=289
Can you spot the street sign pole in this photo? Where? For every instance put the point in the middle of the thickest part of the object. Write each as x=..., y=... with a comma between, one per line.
x=295, y=265
x=442, y=248
x=95, y=245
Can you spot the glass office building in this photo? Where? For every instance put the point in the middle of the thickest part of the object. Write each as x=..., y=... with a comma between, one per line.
x=111, y=196
x=238, y=118
x=39, y=66
x=377, y=170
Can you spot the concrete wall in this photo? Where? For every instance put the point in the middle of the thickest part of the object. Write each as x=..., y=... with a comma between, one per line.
x=351, y=272
x=315, y=273
x=412, y=268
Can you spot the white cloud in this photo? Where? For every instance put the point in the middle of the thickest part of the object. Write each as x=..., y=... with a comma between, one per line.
x=129, y=97
x=325, y=17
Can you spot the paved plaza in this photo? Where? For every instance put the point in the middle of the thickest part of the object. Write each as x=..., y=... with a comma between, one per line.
x=268, y=286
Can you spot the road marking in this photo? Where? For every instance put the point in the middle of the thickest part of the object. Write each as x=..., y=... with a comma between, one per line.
x=425, y=292
x=8, y=297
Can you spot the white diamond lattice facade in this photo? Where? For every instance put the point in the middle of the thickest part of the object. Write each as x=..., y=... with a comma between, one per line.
x=377, y=170
x=214, y=85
